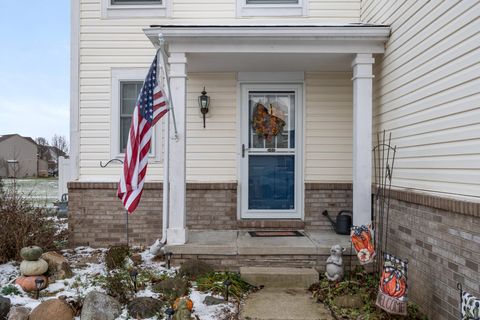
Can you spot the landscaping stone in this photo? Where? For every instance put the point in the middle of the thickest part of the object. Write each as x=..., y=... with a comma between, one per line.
x=5, y=305
x=172, y=287
x=210, y=301
x=348, y=301
x=52, y=309
x=195, y=268
x=57, y=265
x=19, y=313
x=144, y=307
x=28, y=283
x=99, y=306
x=31, y=253
x=33, y=268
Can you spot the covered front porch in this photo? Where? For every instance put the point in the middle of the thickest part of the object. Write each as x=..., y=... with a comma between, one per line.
x=273, y=64
x=232, y=249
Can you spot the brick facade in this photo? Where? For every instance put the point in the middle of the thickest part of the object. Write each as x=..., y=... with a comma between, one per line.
x=441, y=239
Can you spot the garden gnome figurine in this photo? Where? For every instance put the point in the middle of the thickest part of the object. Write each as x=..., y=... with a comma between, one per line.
x=334, y=269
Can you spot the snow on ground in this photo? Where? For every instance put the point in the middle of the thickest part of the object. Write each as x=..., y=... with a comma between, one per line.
x=87, y=264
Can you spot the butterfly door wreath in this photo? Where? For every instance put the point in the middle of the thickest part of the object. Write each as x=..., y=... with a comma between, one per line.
x=265, y=123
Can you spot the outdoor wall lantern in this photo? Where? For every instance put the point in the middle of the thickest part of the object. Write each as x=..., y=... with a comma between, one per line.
x=204, y=103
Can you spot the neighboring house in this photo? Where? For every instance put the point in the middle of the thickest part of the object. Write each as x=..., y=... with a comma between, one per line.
x=335, y=72
x=18, y=156
x=51, y=156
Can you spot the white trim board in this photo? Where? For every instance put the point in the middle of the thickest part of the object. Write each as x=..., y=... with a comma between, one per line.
x=74, y=89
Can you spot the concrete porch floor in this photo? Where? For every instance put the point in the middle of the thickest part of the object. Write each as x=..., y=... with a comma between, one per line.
x=239, y=242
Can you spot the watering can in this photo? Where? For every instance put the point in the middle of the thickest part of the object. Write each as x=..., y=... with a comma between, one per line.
x=343, y=223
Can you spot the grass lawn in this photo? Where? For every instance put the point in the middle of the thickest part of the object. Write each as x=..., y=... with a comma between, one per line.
x=42, y=191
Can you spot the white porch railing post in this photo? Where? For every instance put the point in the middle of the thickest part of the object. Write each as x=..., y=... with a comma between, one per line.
x=362, y=137
x=177, y=231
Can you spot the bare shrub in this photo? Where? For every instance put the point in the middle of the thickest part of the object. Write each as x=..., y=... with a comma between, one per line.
x=22, y=224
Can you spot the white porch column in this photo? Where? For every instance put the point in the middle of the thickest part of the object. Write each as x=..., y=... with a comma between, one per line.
x=177, y=231
x=362, y=137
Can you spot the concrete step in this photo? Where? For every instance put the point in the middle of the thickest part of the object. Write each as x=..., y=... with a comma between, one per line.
x=279, y=277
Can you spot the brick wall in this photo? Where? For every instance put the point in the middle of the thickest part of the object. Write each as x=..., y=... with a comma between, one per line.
x=441, y=239
x=97, y=218
x=333, y=197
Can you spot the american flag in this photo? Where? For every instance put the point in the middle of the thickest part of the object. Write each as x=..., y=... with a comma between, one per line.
x=150, y=107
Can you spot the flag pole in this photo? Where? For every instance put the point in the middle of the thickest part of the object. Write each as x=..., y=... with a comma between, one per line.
x=167, y=80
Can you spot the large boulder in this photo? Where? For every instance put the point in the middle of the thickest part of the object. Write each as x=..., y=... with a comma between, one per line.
x=19, y=313
x=5, y=305
x=57, y=265
x=28, y=283
x=33, y=268
x=52, y=309
x=194, y=268
x=144, y=307
x=99, y=306
x=172, y=287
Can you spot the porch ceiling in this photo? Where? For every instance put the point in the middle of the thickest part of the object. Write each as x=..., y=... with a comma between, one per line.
x=268, y=62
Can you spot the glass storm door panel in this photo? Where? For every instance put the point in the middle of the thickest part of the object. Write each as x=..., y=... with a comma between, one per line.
x=269, y=154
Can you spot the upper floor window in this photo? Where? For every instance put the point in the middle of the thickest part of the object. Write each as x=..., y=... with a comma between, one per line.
x=258, y=8
x=136, y=2
x=134, y=8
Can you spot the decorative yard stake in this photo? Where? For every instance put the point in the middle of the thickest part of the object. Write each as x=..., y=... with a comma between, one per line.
x=392, y=293
x=39, y=285
x=470, y=305
x=133, y=276
x=384, y=161
x=169, y=312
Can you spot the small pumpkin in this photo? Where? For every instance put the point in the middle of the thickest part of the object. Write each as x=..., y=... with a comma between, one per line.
x=188, y=301
x=31, y=253
x=33, y=268
x=28, y=283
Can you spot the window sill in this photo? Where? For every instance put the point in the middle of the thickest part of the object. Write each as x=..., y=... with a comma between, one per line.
x=271, y=10
x=135, y=11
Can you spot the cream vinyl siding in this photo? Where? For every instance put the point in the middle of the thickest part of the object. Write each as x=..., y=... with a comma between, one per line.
x=328, y=127
x=426, y=92
x=211, y=152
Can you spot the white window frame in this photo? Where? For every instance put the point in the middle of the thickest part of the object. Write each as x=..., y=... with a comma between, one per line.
x=110, y=10
x=129, y=74
x=271, y=10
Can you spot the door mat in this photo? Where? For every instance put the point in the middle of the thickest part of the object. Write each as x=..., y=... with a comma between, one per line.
x=276, y=234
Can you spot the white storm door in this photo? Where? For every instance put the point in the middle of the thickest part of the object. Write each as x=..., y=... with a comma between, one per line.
x=271, y=171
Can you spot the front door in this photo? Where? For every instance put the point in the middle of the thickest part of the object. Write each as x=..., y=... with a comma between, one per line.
x=270, y=157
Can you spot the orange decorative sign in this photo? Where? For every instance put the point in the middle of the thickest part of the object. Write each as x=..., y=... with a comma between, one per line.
x=392, y=295
x=362, y=241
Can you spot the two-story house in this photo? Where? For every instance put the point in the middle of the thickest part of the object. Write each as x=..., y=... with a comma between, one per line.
x=329, y=75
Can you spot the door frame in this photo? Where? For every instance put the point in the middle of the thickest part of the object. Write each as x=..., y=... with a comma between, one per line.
x=242, y=202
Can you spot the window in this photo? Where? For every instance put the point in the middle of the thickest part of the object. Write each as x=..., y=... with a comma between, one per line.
x=126, y=85
x=134, y=8
x=250, y=8
x=139, y=2
x=128, y=98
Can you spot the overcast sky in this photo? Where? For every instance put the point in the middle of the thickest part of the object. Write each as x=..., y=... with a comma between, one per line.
x=34, y=67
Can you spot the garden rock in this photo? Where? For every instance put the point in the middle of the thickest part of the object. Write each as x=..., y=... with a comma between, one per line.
x=57, y=265
x=144, y=307
x=31, y=253
x=33, y=268
x=28, y=283
x=99, y=306
x=52, y=309
x=210, y=301
x=172, y=287
x=195, y=268
x=5, y=305
x=19, y=313
x=348, y=301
